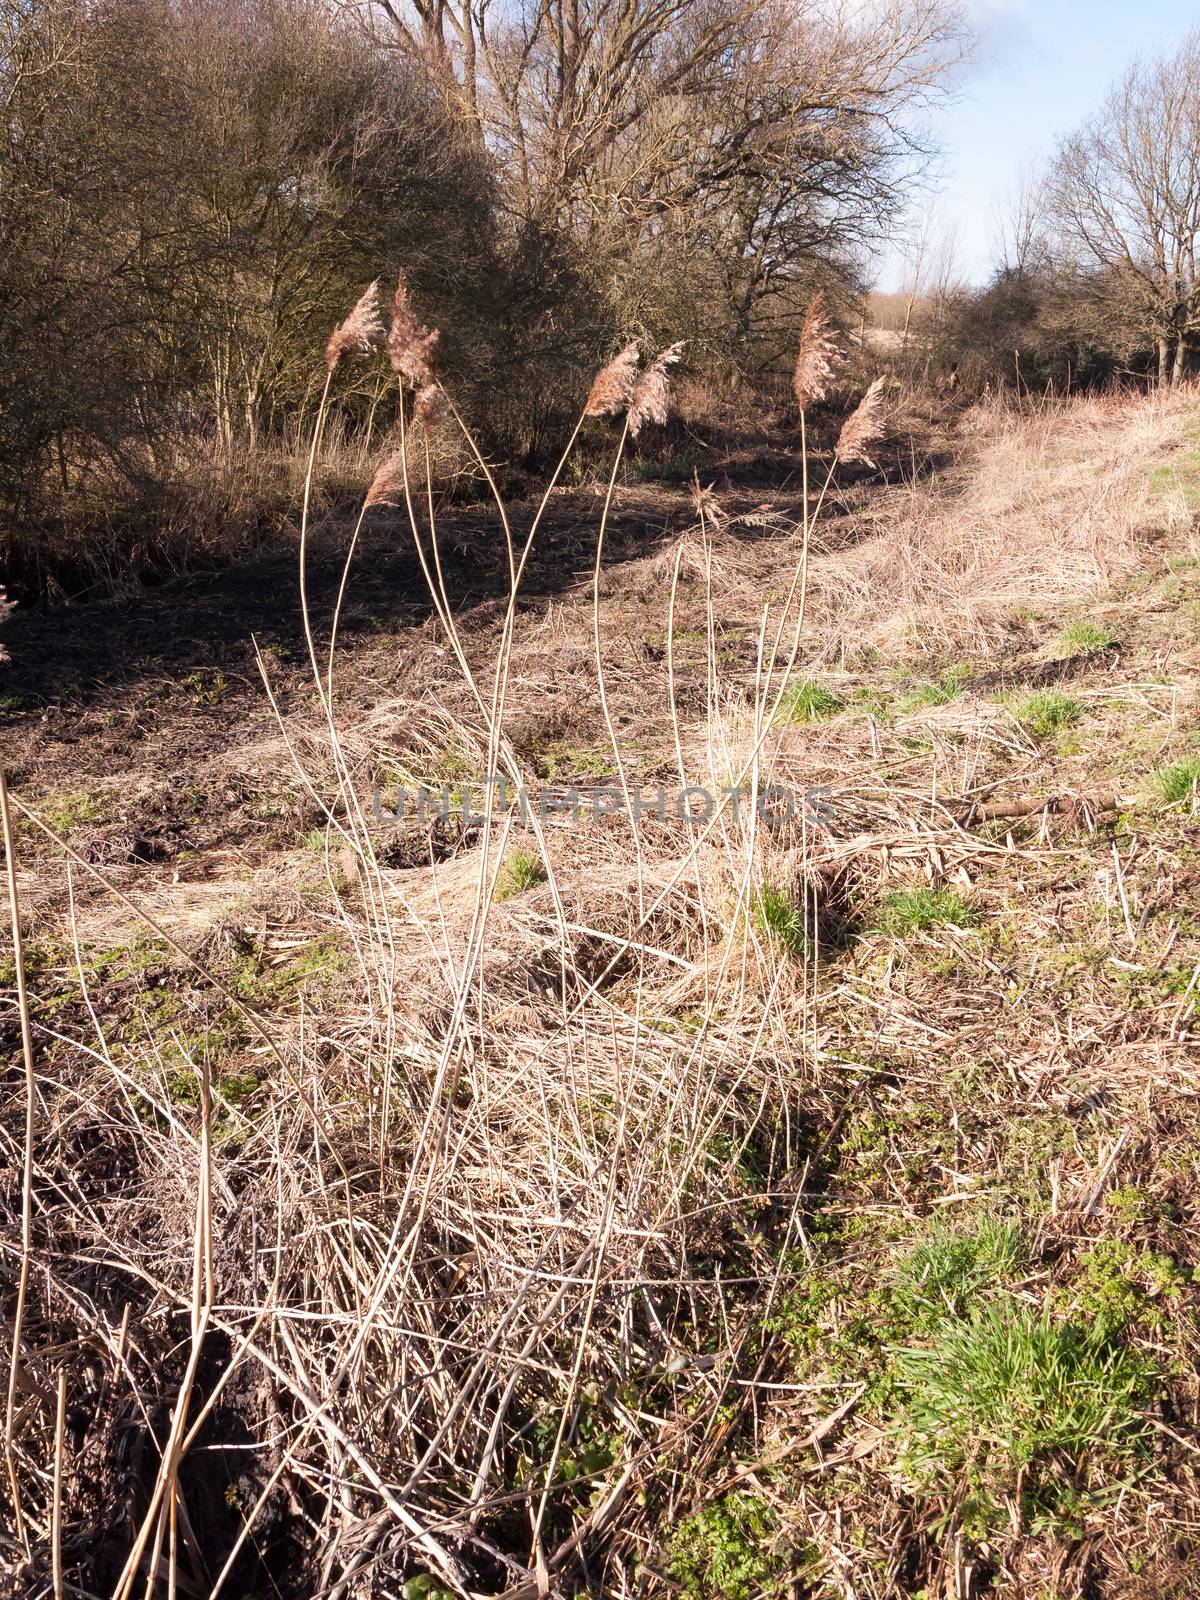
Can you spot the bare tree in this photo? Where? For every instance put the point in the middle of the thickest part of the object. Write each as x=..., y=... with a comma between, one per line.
x=738, y=144
x=1125, y=194
x=1020, y=222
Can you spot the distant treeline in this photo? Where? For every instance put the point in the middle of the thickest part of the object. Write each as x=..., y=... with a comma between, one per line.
x=193, y=191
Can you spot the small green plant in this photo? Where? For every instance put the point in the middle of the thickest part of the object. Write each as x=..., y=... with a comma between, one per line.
x=729, y=1549
x=952, y=1269
x=1120, y=1287
x=564, y=763
x=806, y=701
x=1087, y=638
x=780, y=919
x=1046, y=712
x=908, y=911
x=1179, y=785
x=521, y=870
x=424, y=1587
x=206, y=687
x=938, y=693
x=1008, y=1408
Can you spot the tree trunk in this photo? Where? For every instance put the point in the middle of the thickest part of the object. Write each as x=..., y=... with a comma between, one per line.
x=1180, y=367
x=1163, y=354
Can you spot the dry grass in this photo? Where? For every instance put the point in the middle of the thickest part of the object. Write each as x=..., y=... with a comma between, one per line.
x=1050, y=503
x=535, y=1227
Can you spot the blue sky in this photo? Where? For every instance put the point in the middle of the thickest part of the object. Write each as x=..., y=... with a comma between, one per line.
x=1042, y=67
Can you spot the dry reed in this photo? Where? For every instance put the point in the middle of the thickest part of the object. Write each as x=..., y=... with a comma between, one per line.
x=359, y=334
x=649, y=401
x=412, y=348
x=818, y=357
x=387, y=486
x=863, y=427
x=431, y=408
x=614, y=384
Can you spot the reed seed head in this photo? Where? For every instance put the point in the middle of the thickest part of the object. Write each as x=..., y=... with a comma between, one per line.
x=614, y=384
x=387, y=486
x=818, y=357
x=862, y=427
x=360, y=333
x=649, y=402
x=704, y=501
x=431, y=407
x=411, y=346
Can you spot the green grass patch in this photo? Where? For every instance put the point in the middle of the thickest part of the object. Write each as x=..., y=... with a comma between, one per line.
x=1010, y=1408
x=938, y=693
x=521, y=870
x=779, y=919
x=908, y=911
x=1182, y=476
x=563, y=762
x=1087, y=638
x=1179, y=785
x=1046, y=712
x=78, y=808
x=806, y=701
x=952, y=1269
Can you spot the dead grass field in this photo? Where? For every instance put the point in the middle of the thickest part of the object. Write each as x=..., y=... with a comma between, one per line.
x=523, y=1206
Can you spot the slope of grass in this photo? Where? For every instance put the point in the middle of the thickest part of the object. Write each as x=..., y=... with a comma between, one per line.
x=721, y=1223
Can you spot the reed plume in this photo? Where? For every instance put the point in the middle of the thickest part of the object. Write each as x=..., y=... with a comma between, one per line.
x=649, y=402
x=411, y=346
x=614, y=384
x=360, y=333
x=387, y=486
x=431, y=407
x=704, y=500
x=818, y=357
x=862, y=427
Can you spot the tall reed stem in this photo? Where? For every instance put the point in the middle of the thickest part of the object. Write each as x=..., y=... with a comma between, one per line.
x=14, y=1366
